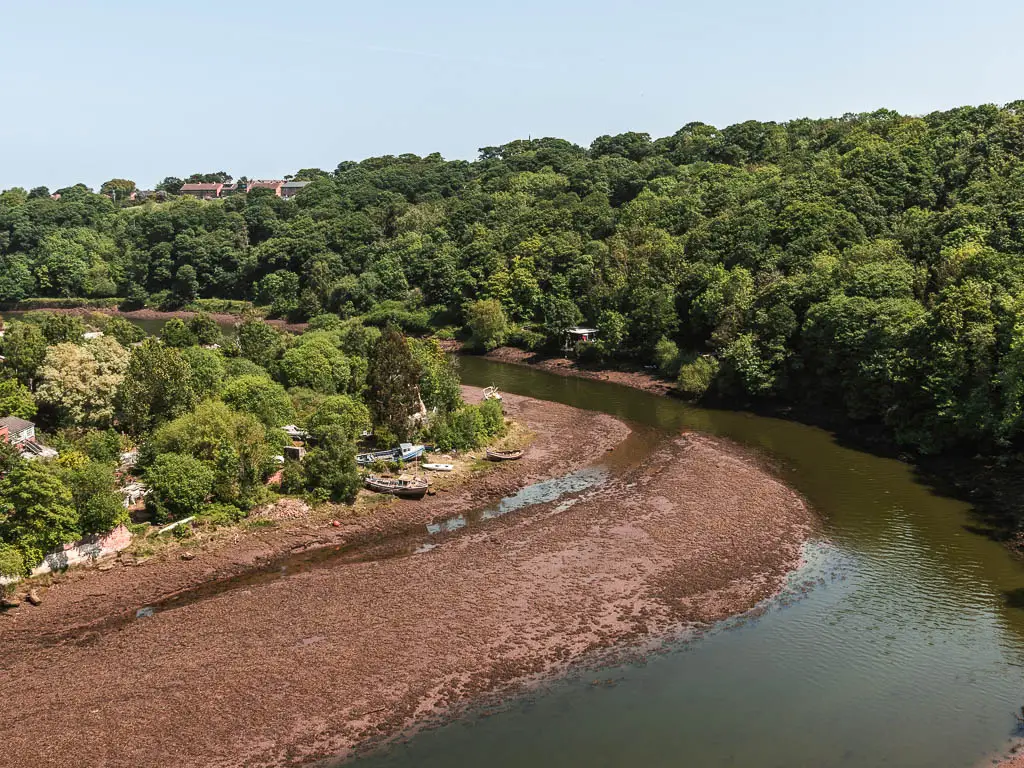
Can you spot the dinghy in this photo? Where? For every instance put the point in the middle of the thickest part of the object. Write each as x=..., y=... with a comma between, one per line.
x=495, y=455
x=439, y=467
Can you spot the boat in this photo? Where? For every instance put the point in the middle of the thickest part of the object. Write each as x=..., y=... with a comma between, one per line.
x=403, y=486
x=491, y=393
x=404, y=452
x=496, y=455
x=439, y=467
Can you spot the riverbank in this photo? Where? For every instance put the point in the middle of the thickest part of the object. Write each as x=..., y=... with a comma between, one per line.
x=287, y=667
x=561, y=366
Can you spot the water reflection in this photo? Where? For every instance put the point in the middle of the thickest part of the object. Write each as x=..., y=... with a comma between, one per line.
x=899, y=644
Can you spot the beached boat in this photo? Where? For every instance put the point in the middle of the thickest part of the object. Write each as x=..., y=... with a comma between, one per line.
x=404, y=486
x=404, y=452
x=491, y=393
x=495, y=455
x=439, y=467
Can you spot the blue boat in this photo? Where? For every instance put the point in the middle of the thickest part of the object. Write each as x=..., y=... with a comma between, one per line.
x=404, y=452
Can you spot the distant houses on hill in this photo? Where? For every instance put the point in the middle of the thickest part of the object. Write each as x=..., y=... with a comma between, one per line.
x=212, y=191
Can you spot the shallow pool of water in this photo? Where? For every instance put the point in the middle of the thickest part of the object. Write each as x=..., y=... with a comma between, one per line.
x=895, y=646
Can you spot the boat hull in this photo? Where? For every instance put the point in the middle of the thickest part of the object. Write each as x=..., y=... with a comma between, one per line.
x=504, y=455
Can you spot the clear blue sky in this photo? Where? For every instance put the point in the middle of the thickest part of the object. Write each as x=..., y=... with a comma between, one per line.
x=90, y=91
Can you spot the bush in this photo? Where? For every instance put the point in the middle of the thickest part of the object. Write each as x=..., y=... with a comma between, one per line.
x=216, y=515
x=293, y=477
x=469, y=427
x=179, y=485
x=486, y=324
x=696, y=376
x=12, y=563
x=524, y=338
x=666, y=355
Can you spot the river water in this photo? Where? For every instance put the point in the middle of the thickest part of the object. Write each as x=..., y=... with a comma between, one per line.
x=896, y=645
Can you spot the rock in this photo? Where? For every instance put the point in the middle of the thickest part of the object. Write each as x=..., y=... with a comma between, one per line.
x=188, y=555
x=33, y=597
x=336, y=523
x=9, y=602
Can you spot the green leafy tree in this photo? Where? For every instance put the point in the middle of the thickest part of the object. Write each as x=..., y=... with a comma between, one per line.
x=176, y=334
x=125, y=331
x=16, y=400
x=393, y=384
x=330, y=467
x=94, y=496
x=60, y=328
x=260, y=342
x=316, y=363
x=39, y=514
x=344, y=411
x=208, y=370
x=157, y=387
x=486, y=323
x=24, y=350
x=263, y=398
x=205, y=329
x=79, y=382
x=179, y=486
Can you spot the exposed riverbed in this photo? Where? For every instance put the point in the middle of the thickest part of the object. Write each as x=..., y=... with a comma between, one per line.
x=900, y=643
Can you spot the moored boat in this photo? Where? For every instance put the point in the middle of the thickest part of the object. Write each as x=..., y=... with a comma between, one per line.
x=404, y=452
x=496, y=455
x=438, y=467
x=491, y=393
x=404, y=486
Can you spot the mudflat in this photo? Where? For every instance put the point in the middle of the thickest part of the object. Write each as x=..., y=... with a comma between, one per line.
x=315, y=662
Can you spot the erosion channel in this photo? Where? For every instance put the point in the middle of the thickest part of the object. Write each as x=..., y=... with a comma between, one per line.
x=900, y=642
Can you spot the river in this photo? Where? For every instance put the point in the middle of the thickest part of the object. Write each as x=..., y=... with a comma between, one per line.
x=897, y=644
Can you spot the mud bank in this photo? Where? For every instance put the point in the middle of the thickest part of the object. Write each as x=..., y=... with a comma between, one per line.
x=637, y=379
x=312, y=664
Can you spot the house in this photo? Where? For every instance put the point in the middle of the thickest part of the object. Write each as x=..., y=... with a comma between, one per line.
x=17, y=430
x=4, y=435
x=271, y=184
x=294, y=452
x=204, y=191
x=294, y=432
x=291, y=188
x=30, y=450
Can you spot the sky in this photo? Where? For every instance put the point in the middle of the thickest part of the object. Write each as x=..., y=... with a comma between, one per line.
x=92, y=91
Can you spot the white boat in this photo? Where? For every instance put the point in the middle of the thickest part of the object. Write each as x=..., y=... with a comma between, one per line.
x=404, y=452
x=491, y=393
x=439, y=467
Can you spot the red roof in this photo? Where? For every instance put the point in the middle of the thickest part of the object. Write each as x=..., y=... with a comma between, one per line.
x=205, y=187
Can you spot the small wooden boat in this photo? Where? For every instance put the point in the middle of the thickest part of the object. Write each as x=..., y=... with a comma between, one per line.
x=495, y=455
x=404, y=452
x=491, y=393
x=439, y=467
x=404, y=486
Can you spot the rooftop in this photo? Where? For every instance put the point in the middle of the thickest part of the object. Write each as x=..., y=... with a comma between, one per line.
x=14, y=424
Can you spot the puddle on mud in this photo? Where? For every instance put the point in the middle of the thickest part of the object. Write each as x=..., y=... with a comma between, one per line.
x=401, y=543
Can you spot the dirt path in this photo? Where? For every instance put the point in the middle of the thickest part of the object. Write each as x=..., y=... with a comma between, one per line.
x=308, y=665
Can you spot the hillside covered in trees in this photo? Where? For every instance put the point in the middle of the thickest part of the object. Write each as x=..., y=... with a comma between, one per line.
x=874, y=260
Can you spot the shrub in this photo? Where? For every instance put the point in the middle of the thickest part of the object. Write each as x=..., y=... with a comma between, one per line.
x=179, y=485
x=12, y=563
x=696, y=376
x=524, y=338
x=293, y=477
x=216, y=515
x=666, y=355
x=486, y=324
x=468, y=427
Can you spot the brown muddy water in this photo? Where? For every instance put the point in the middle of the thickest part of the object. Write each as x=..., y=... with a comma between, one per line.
x=896, y=645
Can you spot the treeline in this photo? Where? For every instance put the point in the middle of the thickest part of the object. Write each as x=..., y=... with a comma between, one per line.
x=871, y=261
x=204, y=414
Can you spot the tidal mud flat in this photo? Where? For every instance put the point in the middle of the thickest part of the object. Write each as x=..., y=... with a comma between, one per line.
x=319, y=661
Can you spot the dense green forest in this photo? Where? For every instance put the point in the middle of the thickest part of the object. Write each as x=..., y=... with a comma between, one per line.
x=873, y=261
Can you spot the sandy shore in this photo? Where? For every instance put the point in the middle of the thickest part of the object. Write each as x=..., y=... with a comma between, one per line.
x=291, y=667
